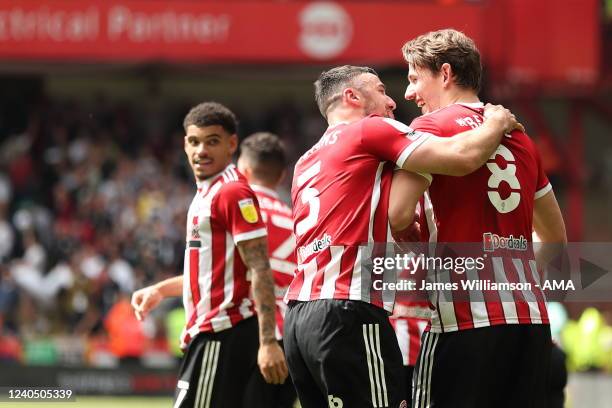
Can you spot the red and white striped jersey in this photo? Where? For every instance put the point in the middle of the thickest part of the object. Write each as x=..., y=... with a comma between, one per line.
x=340, y=196
x=409, y=321
x=494, y=202
x=281, y=246
x=216, y=289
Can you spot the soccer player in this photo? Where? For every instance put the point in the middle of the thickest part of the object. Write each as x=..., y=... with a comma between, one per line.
x=491, y=350
x=262, y=161
x=226, y=242
x=340, y=346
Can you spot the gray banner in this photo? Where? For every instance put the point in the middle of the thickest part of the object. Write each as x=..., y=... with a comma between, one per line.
x=505, y=270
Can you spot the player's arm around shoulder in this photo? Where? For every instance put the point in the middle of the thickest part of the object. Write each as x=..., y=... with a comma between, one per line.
x=270, y=358
x=463, y=153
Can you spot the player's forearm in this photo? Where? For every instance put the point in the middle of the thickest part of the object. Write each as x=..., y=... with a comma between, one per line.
x=456, y=156
x=170, y=287
x=263, y=293
x=254, y=253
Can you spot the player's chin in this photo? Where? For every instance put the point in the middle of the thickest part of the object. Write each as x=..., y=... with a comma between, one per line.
x=390, y=115
x=203, y=174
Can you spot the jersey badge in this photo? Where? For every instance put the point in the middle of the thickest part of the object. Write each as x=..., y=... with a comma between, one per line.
x=248, y=210
x=195, y=228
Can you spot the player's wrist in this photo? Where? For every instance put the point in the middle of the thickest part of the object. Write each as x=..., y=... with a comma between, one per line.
x=159, y=289
x=267, y=340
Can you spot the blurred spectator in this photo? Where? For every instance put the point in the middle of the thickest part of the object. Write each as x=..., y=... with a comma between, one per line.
x=7, y=235
x=5, y=189
x=120, y=271
x=175, y=321
x=588, y=342
x=10, y=348
x=9, y=298
x=125, y=333
x=93, y=201
x=34, y=253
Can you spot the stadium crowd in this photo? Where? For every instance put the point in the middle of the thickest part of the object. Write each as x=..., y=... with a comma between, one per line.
x=93, y=201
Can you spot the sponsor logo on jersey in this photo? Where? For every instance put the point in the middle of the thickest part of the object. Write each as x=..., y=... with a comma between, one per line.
x=195, y=228
x=491, y=242
x=248, y=210
x=317, y=245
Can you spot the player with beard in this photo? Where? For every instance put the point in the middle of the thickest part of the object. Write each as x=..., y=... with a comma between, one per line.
x=340, y=346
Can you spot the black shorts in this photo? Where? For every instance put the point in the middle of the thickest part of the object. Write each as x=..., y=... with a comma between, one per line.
x=498, y=366
x=558, y=378
x=343, y=353
x=217, y=366
x=408, y=370
x=260, y=394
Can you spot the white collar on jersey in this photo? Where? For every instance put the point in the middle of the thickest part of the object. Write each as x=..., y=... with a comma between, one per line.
x=473, y=105
x=263, y=189
x=204, y=184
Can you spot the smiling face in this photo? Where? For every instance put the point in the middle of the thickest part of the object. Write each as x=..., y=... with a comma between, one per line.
x=209, y=149
x=376, y=100
x=425, y=88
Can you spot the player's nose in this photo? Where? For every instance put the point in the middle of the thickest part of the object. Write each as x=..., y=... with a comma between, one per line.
x=201, y=150
x=391, y=103
x=409, y=95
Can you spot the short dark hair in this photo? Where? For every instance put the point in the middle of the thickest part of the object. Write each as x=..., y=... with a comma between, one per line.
x=331, y=83
x=450, y=46
x=211, y=114
x=265, y=154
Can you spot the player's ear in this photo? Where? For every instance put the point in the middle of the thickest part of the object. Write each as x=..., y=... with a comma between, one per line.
x=243, y=167
x=351, y=96
x=446, y=71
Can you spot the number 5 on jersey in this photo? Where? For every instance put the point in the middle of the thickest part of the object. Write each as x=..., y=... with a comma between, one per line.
x=310, y=197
